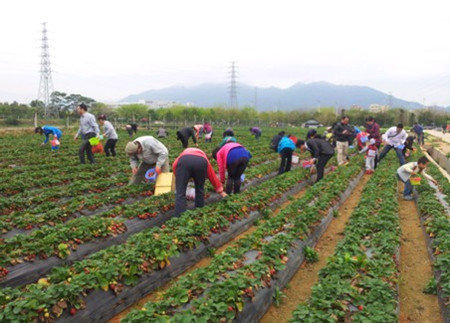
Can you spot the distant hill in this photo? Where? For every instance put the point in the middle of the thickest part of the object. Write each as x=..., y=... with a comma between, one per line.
x=298, y=96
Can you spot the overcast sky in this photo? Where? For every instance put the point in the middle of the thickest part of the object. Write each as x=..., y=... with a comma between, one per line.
x=110, y=49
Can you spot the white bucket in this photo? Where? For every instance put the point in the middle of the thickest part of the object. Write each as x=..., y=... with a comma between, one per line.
x=295, y=159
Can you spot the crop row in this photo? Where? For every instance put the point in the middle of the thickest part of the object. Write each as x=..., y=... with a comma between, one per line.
x=435, y=219
x=359, y=282
x=224, y=290
x=144, y=252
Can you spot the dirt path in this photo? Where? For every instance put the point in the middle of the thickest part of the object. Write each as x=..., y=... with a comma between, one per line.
x=300, y=286
x=154, y=296
x=415, y=269
x=439, y=134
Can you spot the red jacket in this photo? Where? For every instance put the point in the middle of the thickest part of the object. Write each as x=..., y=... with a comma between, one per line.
x=222, y=155
x=210, y=171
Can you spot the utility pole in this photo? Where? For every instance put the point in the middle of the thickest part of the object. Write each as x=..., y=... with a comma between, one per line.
x=233, y=85
x=46, y=82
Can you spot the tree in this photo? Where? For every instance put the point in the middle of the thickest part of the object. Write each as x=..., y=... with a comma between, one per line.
x=130, y=111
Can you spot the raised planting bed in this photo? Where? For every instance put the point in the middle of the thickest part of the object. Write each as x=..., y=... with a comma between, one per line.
x=28, y=257
x=240, y=282
x=141, y=256
x=360, y=281
x=435, y=220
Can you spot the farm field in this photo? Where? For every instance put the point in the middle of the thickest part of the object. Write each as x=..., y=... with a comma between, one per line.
x=79, y=245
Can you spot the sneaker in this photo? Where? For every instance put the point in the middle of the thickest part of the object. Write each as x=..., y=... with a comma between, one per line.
x=408, y=198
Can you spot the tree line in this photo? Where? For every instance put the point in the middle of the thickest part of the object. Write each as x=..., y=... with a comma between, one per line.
x=66, y=103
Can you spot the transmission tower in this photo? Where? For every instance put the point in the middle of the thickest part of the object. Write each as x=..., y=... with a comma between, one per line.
x=233, y=85
x=46, y=83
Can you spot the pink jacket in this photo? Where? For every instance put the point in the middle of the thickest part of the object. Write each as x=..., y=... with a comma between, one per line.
x=222, y=155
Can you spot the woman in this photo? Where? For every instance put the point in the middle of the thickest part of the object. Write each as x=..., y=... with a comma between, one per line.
x=285, y=149
x=234, y=158
x=193, y=163
x=111, y=134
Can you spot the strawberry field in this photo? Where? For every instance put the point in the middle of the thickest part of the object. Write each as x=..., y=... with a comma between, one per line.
x=79, y=245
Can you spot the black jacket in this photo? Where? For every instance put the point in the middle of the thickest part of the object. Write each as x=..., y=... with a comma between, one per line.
x=274, y=142
x=339, y=129
x=186, y=133
x=319, y=146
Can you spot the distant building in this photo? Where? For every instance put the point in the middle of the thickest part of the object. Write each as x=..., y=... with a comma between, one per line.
x=312, y=124
x=378, y=108
x=356, y=107
x=157, y=104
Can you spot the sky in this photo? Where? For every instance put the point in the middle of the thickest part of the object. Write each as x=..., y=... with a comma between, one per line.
x=110, y=49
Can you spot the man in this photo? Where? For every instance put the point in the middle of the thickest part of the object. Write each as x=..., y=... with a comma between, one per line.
x=395, y=138
x=184, y=134
x=405, y=172
x=47, y=130
x=321, y=151
x=88, y=129
x=111, y=134
x=373, y=128
x=418, y=129
x=342, y=132
x=146, y=152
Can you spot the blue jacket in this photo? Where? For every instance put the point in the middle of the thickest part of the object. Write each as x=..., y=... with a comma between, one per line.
x=51, y=130
x=285, y=142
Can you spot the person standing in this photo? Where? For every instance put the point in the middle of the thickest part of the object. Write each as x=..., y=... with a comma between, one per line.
x=146, y=152
x=343, y=132
x=234, y=158
x=193, y=163
x=321, y=152
x=405, y=172
x=373, y=128
x=110, y=133
x=418, y=129
x=47, y=130
x=395, y=138
x=88, y=129
x=371, y=151
x=184, y=134
x=285, y=149
x=256, y=131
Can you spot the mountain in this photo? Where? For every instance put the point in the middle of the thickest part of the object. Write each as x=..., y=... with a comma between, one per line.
x=298, y=96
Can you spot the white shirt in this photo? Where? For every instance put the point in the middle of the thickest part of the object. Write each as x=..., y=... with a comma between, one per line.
x=404, y=172
x=395, y=139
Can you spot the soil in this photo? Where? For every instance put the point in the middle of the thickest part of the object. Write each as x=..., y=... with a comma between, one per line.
x=156, y=295
x=299, y=288
x=415, y=268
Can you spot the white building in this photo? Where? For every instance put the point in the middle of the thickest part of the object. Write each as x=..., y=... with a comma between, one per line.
x=378, y=108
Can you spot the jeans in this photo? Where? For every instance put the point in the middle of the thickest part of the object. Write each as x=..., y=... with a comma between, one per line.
x=86, y=147
x=286, y=160
x=235, y=170
x=401, y=157
x=188, y=167
x=110, y=147
x=408, y=186
x=420, y=138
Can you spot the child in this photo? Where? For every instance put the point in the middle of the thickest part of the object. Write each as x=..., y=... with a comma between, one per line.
x=371, y=154
x=404, y=173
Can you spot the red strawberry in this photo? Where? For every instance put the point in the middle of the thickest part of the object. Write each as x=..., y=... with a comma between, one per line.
x=73, y=311
x=360, y=307
x=230, y=308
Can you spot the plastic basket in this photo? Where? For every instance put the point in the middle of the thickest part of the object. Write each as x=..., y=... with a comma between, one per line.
x=307, y=164
x=94, y=141
x=295, y=159
x=400, y=146
x=151, y=175
x=242, y=178
x=415, y=181
x=364, y=139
